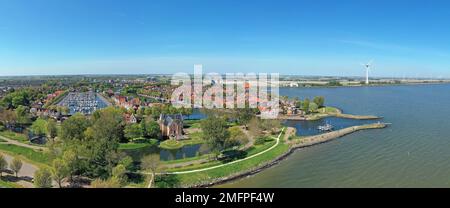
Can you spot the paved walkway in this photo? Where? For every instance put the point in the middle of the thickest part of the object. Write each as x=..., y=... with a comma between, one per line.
x=151, y=180
x=26, y=173
x=17, y=143
x=226, y=164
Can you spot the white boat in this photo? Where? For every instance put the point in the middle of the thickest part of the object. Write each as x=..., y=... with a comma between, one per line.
x=326, y=127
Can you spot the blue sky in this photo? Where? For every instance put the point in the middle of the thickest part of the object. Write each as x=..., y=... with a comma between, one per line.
x=316, y=37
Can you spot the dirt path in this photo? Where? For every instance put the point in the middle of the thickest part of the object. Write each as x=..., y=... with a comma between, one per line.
x=26, y=174
x=290, y=131
x=14, y=142
x=251, y=139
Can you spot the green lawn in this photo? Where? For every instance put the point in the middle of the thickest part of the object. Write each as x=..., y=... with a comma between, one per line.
x=329, y=110
x=15, y=136
x=7, y=184
x=190, y=179
x=2, y=140
x=251, y=151
x=27, y=153
x=171, y=144
x=195, y=125
x=185, y=159
x=195, y=138
x=137, y=145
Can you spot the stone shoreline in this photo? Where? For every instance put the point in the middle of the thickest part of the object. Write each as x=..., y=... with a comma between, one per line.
x=305, y=142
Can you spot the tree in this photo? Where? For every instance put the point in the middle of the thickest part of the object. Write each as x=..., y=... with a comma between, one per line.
x=255, y=128
x=305, y=107
x=110, y=183
x=102, y=142
x=119, y=172
x=16, y=99
x=215, y=132
x=151, y=162
x=59, y=171
x=313, y=107
x=133, y=131
x=52, y=131
x=15, y=166
x=319, y=100
x=74, y=127
x=237, y=137
x=3, y=164
x=19, y=100
x=244, y=116
x=270, y=125
x=71, y=161
x=298, y=104
x=8, y=118
x=43, y=178
x=22, y=115
x=150, y=129
x=127, y=162
x=39, y=127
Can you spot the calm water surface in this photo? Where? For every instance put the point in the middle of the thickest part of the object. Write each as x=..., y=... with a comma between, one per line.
x=413, y=152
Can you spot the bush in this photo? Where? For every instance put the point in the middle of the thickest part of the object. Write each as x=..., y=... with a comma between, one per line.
x=260, y=140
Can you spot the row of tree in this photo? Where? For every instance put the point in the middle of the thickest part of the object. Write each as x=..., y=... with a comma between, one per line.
x=147, y=128
x=220, y=136
x=14, y=118
x=89, y=146
x=309, y=106
x=15, y=166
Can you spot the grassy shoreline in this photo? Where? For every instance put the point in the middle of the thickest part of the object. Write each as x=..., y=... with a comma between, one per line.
x=137, y=145
x=7, y=184
x=172, y=144
x=254, y=165
x=327, y=112
x=27, y=154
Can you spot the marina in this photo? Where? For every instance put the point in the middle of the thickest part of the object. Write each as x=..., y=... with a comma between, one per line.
x=84, y=102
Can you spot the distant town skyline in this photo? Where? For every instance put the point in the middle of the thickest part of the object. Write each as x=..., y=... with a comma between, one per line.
x=320, y=38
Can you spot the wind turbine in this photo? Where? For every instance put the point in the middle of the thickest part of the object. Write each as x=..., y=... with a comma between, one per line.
x=367, y=66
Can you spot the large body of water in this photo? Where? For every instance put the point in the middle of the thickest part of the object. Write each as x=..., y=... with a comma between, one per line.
x=413, y=152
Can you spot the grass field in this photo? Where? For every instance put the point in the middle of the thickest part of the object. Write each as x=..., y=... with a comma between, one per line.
x=6, y=184
x=195, y=138
x=27, y=153
x=168, y=162
x=14, y=136
x=190, y=179
x=138, y=145
x=251, y=151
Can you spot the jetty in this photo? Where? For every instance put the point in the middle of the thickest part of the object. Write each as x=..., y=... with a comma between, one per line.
x=322, y=138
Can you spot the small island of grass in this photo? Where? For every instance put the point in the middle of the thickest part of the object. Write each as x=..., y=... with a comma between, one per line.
x=138, y=145
x=177, y=144
x=296, y=109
